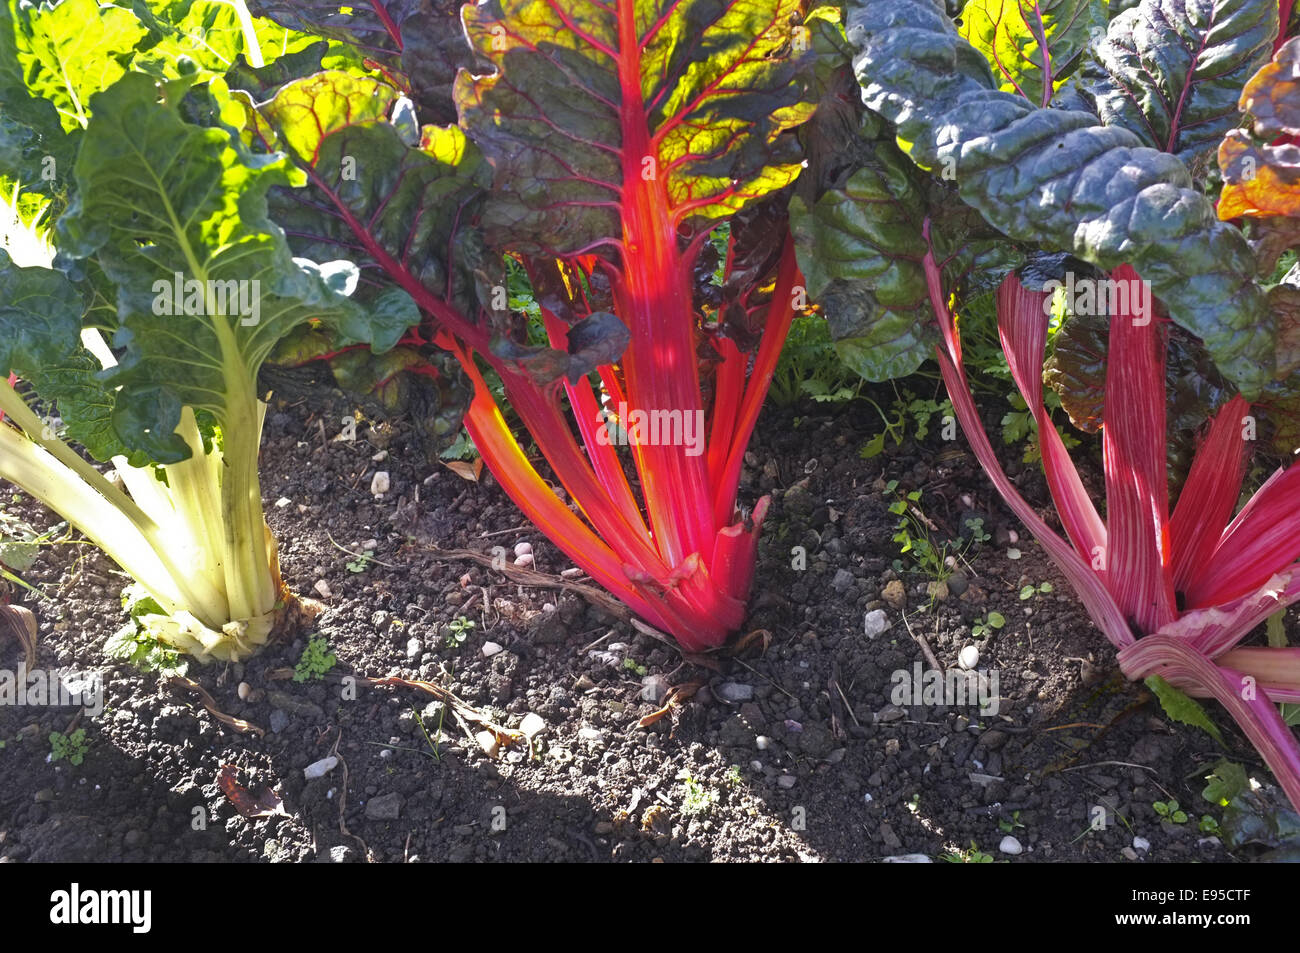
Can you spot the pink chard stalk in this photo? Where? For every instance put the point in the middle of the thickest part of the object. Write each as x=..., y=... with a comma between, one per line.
x=1175, y=593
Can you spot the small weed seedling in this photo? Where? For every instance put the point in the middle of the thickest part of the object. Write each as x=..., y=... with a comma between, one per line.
x=632, y=665
x=1169, y=811
x=696, y=798
x=71, y=748
x=1028, y=592
x=315, y=661
x=459, y=630
x=971, y=855
x=978, y=534
x=361, y=563
x=988, y=625
x=913, y=536
x=1009, y=827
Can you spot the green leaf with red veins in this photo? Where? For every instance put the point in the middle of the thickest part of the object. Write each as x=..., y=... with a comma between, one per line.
x=616, y=124
x=1032, y=45
x=407, y=201
x=1174, y=69
x=374, y=26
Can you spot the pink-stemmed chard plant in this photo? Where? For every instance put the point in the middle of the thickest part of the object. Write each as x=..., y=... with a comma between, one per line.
x=1175, y=593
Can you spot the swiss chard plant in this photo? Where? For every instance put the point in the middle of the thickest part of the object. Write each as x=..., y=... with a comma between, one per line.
x=140, y=342
x=601, y=147
x=1090, y=169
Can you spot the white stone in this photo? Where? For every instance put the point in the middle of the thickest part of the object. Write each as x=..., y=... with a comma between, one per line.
x=1010, y=846
x=968, y=657
x=379, y=483
x=492, y=648
x=875, y=622
x=532, y=725
x=320, y=768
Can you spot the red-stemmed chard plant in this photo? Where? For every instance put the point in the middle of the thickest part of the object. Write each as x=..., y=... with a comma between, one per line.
x=611, y=140
x=1175, y=593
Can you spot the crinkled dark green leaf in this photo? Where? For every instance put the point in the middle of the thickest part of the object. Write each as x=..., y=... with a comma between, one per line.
x=1032, y=45
x=1058, y=179
x=860, y=249
x=434, y=47
x=1173, y=69
x=161, y=201
x=690, y=94
x=860, y=246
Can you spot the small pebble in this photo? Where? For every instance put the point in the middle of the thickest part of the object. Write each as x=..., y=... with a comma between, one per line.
x=492, y=648
x=875, y=622
x=969, y=657
x=525, y=560
x=379, y=483
x=532, y=725
x=786, y=781
x=319, y=769
x=735, y=692
x=487, y=740
x=1010, y=846
x=244, y=690
x=1141, y=843
x=523, y=549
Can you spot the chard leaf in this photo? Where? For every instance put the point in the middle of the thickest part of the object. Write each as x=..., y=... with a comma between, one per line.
x=663, y=109
x=207, y=37
x=1173, y=69
x=1033, y=45
x=40, y=341
x=162, y=203
x=1263, y=180
x=31, y=129
x=857, y=221
x=408, y=202
x=434, y=47
x=1056, y=178
x=860, y=249
x=375, y=26
x=70, y=51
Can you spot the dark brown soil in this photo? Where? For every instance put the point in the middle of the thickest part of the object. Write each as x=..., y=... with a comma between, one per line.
x=838, y=775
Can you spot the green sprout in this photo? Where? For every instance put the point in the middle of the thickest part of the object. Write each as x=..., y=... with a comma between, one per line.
x=315, y=661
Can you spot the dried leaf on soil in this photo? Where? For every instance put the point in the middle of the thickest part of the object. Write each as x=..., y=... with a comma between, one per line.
x=20, y=622
x=178, y=684
x=260, y=803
